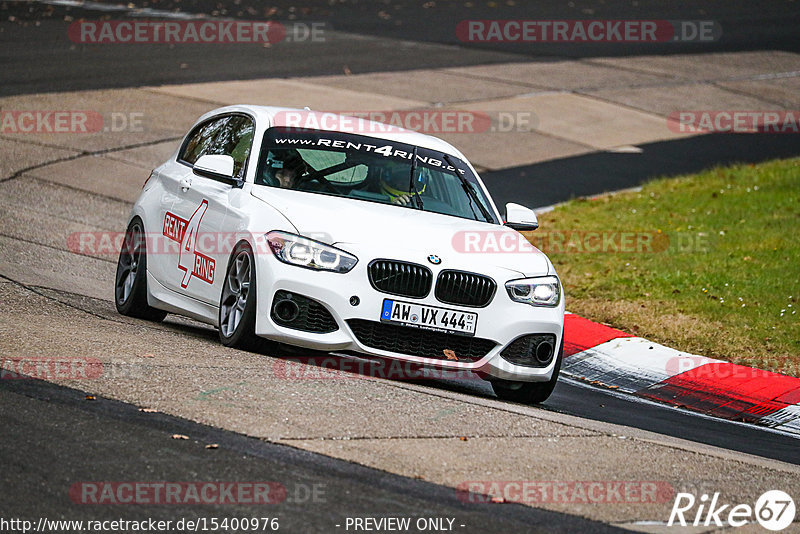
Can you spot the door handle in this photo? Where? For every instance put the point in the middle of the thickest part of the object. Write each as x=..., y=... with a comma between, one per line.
x=185, y=183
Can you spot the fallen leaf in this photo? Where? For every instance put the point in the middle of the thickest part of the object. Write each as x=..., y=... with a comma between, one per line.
x=463, y=438
x=498, y=500
x=451, y=355
x=179, y=436
x=212, y=446
x=148, y=410
x=91, y=397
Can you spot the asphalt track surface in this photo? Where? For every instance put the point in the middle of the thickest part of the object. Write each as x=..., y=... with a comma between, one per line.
x=366, y=36
x=575, y=398
x=597, y=172
x=35, y=59
x=320, y=492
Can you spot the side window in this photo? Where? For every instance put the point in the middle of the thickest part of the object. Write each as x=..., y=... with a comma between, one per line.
x=235, y=139
x=231, y=136
x=201, y=139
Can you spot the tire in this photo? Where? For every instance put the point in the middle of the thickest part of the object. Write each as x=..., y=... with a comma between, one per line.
x=130, y=282
x=529, y=392
x=237, y=303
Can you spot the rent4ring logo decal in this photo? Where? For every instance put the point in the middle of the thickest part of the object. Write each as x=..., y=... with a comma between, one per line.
x=774, y=510
x=190, y=261
x=302, y=138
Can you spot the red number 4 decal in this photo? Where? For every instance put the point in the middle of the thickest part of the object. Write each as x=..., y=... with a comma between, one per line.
x=190, y=261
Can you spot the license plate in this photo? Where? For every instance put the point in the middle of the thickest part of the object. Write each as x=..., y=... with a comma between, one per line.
x=429, y=317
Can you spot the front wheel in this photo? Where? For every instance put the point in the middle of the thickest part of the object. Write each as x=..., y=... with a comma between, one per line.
x=237, y=306
x=529, y=392
x=130, y=288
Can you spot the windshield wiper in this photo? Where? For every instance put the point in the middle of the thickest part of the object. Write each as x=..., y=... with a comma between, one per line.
x=470, y=191
x=412, y=185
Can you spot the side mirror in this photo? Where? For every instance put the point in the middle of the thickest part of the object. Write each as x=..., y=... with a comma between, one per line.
x=521, y=218
x=216, y=167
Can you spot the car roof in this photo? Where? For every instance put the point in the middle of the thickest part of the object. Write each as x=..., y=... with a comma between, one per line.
x=277, y=116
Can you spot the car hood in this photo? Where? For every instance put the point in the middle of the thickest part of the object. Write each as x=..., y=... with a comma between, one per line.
x=371, y=229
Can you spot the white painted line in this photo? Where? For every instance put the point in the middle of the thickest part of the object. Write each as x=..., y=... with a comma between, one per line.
x=626, y=149
x=786, y=419
x=631, y=363
x=134, y=11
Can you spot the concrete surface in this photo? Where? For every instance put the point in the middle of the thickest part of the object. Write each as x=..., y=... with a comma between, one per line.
x=289, y=93
x=440, y=86
x=714, y=66
x=664, y=100
x=97, y=174
x=583, y=120
x=562, y=75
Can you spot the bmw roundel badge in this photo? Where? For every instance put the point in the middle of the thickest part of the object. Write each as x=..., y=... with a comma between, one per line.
x=434, y=259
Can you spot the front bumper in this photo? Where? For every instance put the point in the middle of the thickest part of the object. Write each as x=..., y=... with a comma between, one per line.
x=502, y=321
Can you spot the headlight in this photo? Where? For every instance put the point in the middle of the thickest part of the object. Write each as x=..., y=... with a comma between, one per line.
x=538, y=291
x=303, y=252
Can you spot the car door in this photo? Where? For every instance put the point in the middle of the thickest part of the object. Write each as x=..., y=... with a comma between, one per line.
x=196, y=220
x=167, y=232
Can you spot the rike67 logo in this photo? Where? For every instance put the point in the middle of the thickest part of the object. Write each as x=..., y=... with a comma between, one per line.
x=774, y=510
x=190, y=261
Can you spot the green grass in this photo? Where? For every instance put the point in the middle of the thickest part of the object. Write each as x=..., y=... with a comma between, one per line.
x=727, y=284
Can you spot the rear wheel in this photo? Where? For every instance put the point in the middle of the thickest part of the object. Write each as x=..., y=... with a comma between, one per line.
x=130, y=288
x=237, y=306
x=529, y=392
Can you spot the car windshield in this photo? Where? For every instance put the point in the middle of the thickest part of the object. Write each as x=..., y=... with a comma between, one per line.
x=370, y=169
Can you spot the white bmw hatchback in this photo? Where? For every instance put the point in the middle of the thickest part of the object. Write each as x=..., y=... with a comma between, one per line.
x=345, y=236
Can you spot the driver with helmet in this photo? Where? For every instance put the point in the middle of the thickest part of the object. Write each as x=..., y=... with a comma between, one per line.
x=395, y=181
x=284, y=168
